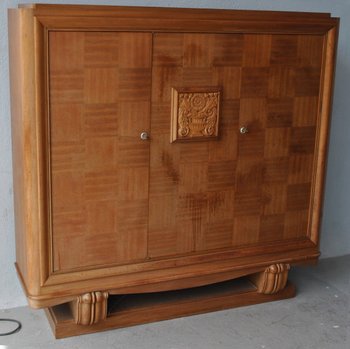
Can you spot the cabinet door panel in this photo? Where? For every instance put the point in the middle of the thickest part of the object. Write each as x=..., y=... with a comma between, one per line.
x=195, y=180
x=99, y=89
x=238, y=189
x=276, y=157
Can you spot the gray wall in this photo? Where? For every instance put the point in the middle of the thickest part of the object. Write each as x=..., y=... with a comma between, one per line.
x=336, y=221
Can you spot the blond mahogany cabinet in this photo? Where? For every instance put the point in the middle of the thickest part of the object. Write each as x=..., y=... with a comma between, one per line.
x=160, y=154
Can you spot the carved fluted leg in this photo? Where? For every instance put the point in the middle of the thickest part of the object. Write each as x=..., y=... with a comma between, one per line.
x=90, y=308
x=272, y=280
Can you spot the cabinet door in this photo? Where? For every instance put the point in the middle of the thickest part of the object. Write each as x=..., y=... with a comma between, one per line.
x=192, y=183
x=279, y=99
x=240, y=188
x=99, y=103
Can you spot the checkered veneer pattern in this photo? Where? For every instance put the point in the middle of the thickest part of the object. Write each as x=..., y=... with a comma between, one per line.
x=244, y=188
x=99, y=104
x=116, y=199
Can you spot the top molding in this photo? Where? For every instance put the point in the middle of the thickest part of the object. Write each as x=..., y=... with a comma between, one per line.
x=179, y=19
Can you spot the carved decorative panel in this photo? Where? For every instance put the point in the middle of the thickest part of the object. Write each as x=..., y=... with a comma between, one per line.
x=195, y=114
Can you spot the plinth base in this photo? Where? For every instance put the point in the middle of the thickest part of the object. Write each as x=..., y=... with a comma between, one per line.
x=134, y=309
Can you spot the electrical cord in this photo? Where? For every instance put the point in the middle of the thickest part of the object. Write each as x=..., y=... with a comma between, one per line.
x=18, y=328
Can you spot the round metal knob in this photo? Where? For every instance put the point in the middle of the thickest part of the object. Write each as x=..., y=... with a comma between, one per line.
x=243, y=130
x=144, y=136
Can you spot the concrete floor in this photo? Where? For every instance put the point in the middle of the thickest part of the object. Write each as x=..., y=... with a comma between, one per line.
x=318, y=318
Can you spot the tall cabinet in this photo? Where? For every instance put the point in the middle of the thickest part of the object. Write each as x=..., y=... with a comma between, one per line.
x=162, y=149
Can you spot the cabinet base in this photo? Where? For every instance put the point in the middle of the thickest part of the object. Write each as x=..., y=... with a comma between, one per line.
x=134, y=309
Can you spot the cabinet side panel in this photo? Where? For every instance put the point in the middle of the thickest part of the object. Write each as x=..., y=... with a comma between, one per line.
x=325, y=110
x=16, y=84
x=23, y=136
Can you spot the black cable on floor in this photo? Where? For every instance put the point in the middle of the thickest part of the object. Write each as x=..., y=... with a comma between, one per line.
x=19, y=326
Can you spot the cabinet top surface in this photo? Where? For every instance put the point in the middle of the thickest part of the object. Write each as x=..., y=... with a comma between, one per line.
x=168, y=12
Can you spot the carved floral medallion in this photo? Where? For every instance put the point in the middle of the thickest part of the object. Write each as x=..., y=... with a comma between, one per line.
x=195, y=114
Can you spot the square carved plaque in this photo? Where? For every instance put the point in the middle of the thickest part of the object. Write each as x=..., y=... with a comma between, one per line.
x=194, y=113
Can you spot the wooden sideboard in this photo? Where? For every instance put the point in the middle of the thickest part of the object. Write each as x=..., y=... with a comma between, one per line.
x=157, y=150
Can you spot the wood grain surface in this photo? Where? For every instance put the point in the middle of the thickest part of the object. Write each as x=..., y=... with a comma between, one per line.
x=100, y=209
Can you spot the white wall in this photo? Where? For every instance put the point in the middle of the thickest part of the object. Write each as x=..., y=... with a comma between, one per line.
x=336, y=222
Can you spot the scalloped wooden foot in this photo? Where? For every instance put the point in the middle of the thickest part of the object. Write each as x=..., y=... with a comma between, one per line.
x=89, y=308
x=272, y=280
